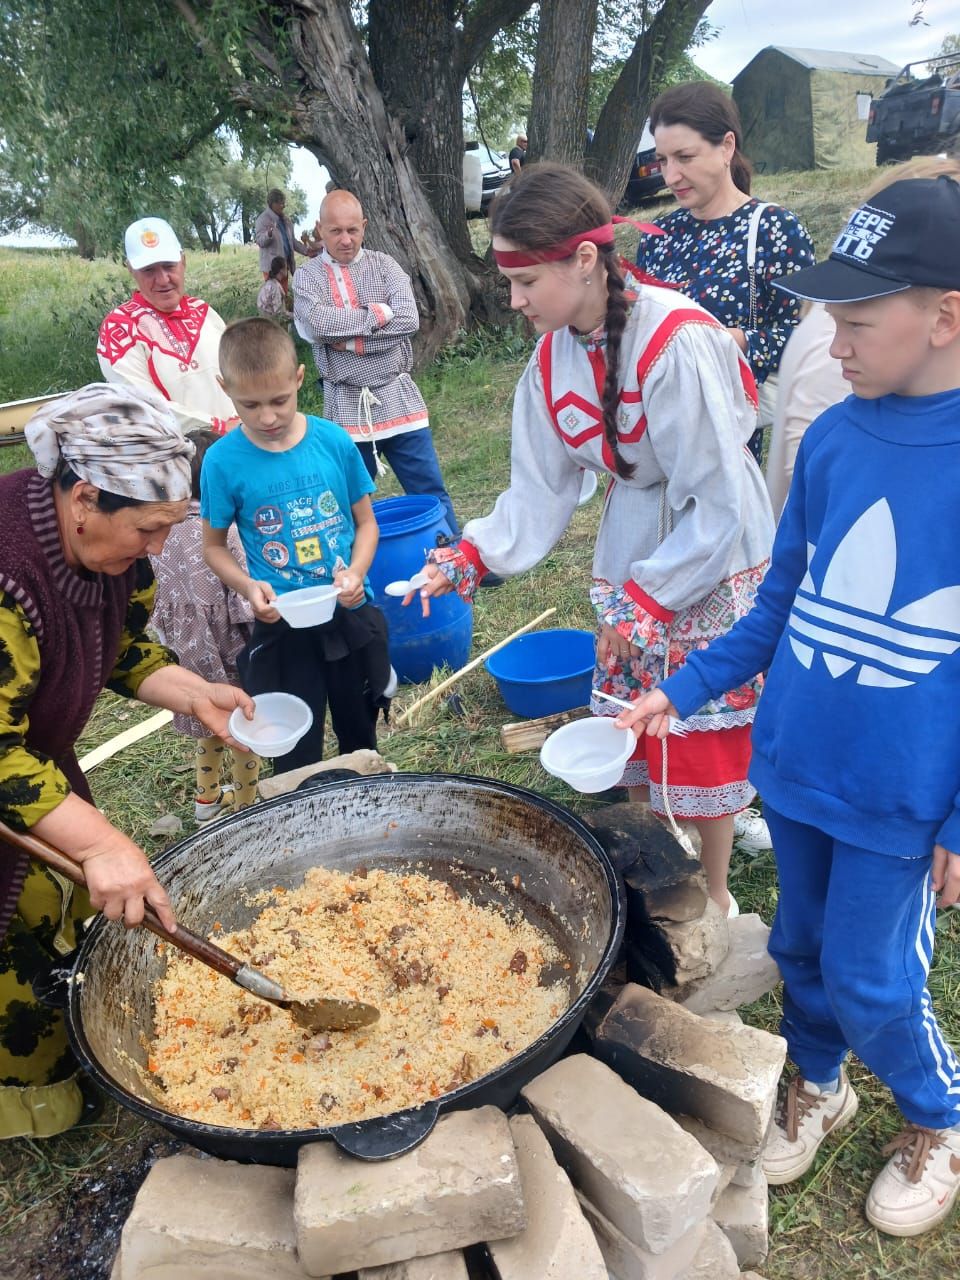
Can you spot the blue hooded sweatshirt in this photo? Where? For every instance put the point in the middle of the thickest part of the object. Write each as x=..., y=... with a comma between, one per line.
x=858, y=626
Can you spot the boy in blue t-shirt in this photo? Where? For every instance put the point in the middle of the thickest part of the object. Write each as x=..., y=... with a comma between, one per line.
x=856, y=744
x=298, y=491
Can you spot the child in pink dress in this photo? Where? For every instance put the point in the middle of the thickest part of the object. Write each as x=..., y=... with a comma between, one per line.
x=206, y=625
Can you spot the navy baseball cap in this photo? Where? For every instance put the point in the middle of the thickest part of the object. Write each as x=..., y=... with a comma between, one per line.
x=907, y=236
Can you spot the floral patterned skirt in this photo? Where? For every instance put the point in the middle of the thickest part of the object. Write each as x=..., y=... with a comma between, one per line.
x=706, y=771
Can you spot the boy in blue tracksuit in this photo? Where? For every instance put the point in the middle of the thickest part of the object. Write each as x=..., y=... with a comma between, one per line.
x=856, y=745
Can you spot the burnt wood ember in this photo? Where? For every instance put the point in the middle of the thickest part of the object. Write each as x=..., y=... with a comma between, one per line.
x=662, y=881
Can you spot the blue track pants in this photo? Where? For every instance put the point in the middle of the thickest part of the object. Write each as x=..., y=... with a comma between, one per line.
x=853, y=937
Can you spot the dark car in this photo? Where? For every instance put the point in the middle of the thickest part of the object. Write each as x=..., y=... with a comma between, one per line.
x=917, y=117
x=484, y=173
x=646, y=178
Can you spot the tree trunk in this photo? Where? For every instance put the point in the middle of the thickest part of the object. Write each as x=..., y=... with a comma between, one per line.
x=657, y=50
x=557, y=127
x=416, y=56
x=203, y=232
x=248, y=216
x=339, y=113
x=86, y=243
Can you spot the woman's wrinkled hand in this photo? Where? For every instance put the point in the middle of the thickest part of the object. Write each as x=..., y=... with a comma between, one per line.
x=945, y=876
x=437, y=584
x=611, y=644
x=214, y=706
x=650, y=714
x=119, y=879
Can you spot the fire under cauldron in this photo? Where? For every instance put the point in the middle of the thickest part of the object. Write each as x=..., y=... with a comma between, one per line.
x=473, y=833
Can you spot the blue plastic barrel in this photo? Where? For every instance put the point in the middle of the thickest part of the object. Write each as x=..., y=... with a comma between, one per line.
x=408, y=530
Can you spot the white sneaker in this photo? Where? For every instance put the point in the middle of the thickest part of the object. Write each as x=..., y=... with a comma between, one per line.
x=917, y=1187
x=215, y=808
x=804, y=1118
x=750, y=833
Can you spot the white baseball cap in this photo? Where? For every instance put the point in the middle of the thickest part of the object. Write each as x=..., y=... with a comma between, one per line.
x=150, y=240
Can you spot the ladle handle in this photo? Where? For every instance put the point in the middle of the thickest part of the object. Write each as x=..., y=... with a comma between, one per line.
x=206, y=952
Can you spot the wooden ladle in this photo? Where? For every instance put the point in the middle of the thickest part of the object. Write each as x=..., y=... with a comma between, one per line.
x=324, y=1013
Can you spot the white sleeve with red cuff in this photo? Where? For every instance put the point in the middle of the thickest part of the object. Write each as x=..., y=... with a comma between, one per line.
x=530, y=517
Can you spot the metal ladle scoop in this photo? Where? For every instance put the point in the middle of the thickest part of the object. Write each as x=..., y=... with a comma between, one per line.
x=324, y=1013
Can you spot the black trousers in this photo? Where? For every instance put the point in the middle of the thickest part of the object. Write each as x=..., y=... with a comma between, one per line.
x=343, y=665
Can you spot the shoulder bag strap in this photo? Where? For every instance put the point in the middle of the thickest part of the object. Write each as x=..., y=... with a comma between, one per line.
x=753, y=232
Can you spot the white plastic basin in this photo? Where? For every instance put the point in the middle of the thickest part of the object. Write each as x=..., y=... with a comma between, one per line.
x=588, y=487
x=588, y=755
x=280, y=722
x=309, y=606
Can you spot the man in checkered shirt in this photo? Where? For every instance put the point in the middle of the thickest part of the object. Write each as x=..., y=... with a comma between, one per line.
x=357, y=308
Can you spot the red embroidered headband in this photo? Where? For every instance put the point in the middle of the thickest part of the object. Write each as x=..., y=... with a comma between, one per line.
x=600, y=236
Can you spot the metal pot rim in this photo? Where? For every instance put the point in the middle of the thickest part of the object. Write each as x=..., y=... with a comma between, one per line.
x=342, y=1134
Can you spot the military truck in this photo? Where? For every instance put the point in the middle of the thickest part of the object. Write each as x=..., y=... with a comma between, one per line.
x=917, y=116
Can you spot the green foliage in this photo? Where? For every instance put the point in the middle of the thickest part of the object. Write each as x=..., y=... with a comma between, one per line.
x=497, y=95
x=619, y=23
x=220, y=187
x=100, y=109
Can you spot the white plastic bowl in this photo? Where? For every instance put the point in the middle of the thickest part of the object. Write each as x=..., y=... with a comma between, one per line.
x=588, y=755
x=309, y=606
x=588, y=487
x=280, y=722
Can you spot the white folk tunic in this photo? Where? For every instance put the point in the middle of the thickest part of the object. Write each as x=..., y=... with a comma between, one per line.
x=359, y=319
x=687, y=409
x=173, y=352
x=684, y=542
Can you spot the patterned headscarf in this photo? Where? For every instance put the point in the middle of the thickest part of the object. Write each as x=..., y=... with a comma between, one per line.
x=125, y=442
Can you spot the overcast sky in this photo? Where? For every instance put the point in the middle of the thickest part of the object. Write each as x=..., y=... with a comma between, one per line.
x=747, y=26
x=850, y=26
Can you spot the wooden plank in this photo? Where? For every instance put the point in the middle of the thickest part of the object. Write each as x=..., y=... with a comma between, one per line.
x=134, y=734
x=530, y=735
x=15, y=414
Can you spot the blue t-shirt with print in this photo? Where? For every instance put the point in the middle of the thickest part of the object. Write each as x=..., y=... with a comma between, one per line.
x=293, y=508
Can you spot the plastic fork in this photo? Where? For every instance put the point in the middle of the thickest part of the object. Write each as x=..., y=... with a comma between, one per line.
x=676, y=727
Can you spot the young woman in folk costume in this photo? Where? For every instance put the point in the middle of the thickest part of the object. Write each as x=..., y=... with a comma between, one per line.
x=635, y=381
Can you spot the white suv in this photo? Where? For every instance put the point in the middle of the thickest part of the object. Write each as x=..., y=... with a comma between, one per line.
x=484, y=172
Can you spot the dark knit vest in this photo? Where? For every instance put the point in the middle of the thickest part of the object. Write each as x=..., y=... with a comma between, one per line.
x=77, y=621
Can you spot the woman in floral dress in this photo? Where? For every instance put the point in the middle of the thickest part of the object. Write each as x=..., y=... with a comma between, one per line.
x=640, y=383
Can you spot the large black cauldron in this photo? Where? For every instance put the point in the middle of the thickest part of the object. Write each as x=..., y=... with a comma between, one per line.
x=476, y=834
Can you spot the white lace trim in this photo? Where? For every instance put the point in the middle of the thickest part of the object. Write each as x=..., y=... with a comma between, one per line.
x=720, y=720
x=695, y=723
x=690, y=802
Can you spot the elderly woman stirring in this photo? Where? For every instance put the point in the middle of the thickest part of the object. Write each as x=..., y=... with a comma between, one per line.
x=76, y=589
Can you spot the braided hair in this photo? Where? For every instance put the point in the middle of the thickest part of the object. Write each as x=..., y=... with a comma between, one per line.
x=540, y=207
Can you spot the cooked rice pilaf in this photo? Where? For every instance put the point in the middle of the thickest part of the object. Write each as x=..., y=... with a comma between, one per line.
x=457, y=985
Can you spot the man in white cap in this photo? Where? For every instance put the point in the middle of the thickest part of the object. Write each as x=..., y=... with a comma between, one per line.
x=162, y=338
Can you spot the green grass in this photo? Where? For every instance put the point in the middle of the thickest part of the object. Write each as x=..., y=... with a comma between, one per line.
x=817, y=1228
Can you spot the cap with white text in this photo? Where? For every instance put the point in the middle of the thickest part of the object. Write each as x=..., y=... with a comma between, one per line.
x=907, y=236
x=150, y=240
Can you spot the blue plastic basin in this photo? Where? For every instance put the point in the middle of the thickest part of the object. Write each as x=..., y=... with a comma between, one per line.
x=545, y=672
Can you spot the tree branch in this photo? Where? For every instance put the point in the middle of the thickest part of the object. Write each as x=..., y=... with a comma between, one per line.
x=482, y=22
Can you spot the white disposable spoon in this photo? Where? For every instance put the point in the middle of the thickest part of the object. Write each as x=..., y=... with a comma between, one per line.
x=403, y=586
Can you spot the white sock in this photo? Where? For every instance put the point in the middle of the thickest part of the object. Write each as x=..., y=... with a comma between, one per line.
x=826, y=1086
